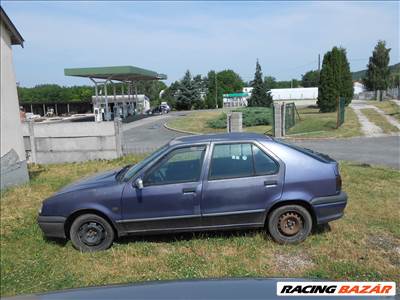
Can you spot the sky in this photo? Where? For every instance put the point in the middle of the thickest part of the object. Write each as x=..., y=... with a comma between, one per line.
x=172, y=37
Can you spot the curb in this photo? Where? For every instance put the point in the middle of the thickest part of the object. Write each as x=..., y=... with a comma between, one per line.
x=339, y=138
x=179, y=130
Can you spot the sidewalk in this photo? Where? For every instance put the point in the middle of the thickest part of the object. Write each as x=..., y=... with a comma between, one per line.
x=369, y=128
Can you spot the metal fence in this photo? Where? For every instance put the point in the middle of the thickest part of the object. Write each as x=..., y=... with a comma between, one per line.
x=289, y=115
x=340, y=111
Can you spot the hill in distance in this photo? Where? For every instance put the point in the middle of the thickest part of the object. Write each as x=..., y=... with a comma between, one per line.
x=359, y=75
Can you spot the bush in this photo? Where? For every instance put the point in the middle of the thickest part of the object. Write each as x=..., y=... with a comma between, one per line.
x=217, y=123
x=252, y=116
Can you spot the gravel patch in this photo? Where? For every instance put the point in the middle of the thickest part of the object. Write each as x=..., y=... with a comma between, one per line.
x=293, y=262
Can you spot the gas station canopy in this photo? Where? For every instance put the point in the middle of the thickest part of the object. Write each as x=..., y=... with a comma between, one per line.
x=122, y=105
x=120, y=73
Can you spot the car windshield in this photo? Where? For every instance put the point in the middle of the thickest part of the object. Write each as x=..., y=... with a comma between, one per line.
x=135, y=168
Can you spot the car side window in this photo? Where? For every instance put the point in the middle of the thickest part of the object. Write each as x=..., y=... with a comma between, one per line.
x=263, y=164
x=231, y=161
x=180, y=165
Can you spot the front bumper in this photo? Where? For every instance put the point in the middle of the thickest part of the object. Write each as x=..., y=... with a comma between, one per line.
x=52, y=226
x=329, y=208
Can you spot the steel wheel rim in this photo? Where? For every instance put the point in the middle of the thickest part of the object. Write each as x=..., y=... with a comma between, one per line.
x=91, y=233
x=290, y=223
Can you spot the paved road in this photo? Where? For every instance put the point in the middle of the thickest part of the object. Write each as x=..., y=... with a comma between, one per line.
x=372, y=150
x=148, y=134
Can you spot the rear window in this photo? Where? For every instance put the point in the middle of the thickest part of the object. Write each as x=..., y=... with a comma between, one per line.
x=318, y=156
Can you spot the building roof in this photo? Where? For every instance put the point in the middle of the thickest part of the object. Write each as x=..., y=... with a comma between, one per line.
x=16, y=37
x=220, y=137
x=120, y=73
x=235, y=95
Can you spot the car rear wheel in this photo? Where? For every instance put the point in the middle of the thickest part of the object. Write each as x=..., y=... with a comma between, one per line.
x=290, y=224
x=91, y=232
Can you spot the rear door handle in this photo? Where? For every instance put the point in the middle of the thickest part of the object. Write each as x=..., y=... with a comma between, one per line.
x=270, y=183
x=189, y=190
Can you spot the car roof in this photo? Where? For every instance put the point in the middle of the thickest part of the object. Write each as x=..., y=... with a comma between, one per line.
x=220, y=137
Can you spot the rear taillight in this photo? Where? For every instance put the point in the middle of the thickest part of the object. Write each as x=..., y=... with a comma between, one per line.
x=338, y=183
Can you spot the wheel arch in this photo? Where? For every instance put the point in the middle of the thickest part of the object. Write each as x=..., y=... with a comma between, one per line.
x=70, y=219
x=299, y=202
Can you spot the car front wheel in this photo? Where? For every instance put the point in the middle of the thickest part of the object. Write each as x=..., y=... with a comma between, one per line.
x=90, y=232
x=290, y=224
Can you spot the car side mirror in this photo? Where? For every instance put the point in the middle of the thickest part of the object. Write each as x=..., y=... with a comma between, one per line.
x=139, y=183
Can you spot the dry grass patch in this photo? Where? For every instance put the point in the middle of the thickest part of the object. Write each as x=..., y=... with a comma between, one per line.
x=364, y=245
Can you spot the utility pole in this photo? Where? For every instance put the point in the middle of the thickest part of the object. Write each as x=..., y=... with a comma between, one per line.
x=216, y=93
x=319, y=62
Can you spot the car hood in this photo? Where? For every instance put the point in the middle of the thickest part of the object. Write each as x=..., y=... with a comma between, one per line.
x=98, y=180
x=218, y=289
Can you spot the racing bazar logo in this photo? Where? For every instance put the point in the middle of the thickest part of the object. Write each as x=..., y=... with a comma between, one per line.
x=335, y=288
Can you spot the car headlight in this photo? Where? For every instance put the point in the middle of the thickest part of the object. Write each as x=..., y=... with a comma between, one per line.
x=40, y=209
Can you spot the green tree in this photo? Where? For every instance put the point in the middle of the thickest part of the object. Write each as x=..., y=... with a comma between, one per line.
x=346, y=84
x=335, y=80
x=200, y=85
x=169, y=94
x=327, y=89
x=270, y=82
x=378, y=73
x=260, y=95
x=187, y=94
x=310, y=79
x=230, y=82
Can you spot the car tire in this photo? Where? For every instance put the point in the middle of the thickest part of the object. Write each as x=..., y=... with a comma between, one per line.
x=290, y=224
x=90, y=232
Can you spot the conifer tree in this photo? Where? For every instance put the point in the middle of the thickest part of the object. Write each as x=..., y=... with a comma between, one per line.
x=378, y=73
x=327, y=89
x=260, y=95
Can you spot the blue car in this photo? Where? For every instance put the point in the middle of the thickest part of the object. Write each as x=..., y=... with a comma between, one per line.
x=199, y=183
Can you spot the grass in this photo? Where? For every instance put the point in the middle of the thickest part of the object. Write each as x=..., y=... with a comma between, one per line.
x=379, y=120
x=197, y=122
x=316, y=124
x=390, y=108
x=364, y=245
x=252, y=116
x=312, y=124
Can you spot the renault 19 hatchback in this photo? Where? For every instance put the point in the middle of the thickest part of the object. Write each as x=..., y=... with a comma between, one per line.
x=198, y=183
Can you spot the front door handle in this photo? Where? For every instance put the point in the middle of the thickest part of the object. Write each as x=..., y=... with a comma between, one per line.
x=189, y=190
x=270, y=183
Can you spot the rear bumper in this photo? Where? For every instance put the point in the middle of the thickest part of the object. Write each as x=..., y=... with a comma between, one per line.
x=52, y=226
x=329, y=208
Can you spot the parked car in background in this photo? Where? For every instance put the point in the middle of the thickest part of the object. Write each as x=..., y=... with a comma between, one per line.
x=197, y=183
x=165, y=107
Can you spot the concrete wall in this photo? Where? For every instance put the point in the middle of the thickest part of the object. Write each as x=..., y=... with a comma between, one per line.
x=72, y=142
x=234, y=122
x=13, y=161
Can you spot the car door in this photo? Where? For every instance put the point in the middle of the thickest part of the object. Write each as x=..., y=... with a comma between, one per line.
x=242, y=178
x=171, y=193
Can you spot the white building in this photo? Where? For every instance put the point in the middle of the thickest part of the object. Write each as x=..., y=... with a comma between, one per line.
x=235, y=99
x=359, y=87
x=310, y=93
x=123, y=105
x=13, y=159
